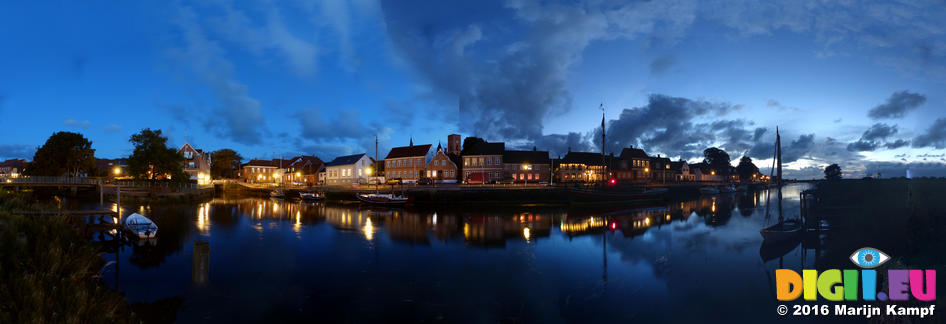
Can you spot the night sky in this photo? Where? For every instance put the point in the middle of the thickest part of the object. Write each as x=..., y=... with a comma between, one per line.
x=855, y=83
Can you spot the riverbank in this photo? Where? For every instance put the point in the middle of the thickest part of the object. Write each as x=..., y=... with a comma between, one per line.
x=50, y=273
x=904, y=218
x=454, y=194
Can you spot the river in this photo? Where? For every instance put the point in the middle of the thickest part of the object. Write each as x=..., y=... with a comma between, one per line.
x=252, y=259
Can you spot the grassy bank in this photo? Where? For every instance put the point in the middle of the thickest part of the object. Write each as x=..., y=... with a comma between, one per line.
x=49, y=272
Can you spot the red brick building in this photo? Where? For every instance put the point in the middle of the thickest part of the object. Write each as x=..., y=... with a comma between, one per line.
x=303, y=169
x=483, y=162
x=406, y=162
x=527, y=166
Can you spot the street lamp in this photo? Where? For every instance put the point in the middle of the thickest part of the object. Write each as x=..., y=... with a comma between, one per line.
x=117, y=171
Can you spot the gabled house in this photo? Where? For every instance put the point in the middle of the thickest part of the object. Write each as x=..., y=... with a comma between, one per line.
x=12, y=168
x=261, y=171
x=633, y=165
x=196, y=163
x=443, y=167
x=660, y=170
x=303, y=169
x=703, y=172
x=681, y=171
x=527, y=166
x=483, y=162
x=348, y=169
x=406, y=162
x=583, y=167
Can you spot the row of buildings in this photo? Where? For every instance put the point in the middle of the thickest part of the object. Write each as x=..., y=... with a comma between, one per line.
x=481, y=162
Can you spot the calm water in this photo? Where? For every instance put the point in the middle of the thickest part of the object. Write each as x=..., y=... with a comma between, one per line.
x=259, y=259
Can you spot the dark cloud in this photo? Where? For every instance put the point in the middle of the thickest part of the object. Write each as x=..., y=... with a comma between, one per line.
x=16, y=151
x=506, y=86
x=896, y=169
x=862, y=146
x=670, y=125
x=798, y=148
x=339, y=132
x=662, y=64
x=935, y=136
x=897, y=144
x=897, y=105
x=559, y=144
x=874, y=138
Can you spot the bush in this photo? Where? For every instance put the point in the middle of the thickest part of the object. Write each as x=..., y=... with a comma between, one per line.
x=50, y=272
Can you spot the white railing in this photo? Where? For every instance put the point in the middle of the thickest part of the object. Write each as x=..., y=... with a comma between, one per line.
x=49, y=180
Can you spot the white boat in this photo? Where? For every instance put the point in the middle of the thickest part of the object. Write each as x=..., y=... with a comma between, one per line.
x=382, y=199
x=709, y=190
x=310, y=196
x=140, y=226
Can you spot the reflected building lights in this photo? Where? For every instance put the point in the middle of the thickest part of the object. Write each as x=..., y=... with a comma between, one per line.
x=369, y=230
x=525, y=233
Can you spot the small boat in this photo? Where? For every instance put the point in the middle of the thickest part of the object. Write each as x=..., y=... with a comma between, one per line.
x=310, y=196
x=709, y=190
x=727, y=189
x=140, y=226
x=382, y=199
x=278, y=193
x=782, y=231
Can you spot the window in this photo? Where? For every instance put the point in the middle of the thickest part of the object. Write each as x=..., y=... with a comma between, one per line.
x=190, y=165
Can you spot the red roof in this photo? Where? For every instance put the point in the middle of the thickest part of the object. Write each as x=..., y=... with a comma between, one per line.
x=408, y=151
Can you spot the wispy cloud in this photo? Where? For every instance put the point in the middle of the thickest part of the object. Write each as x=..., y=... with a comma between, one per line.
x=897, y=105
x=76, y=123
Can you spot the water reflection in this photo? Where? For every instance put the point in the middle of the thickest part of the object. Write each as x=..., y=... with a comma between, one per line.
x=297, y=254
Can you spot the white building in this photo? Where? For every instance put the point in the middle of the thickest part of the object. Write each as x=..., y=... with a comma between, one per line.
x=349, y=169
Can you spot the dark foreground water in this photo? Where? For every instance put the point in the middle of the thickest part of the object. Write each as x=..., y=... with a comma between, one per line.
x=239, y=260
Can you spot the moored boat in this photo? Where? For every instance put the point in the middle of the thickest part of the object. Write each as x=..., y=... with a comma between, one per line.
x=782, y=231
x=709, y=190
x=140, y=226
x=382, y=199
x=311, y=196
x=278, y=193
x=727, y=189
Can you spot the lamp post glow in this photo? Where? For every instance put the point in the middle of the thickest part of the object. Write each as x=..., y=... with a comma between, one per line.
x=117, y=170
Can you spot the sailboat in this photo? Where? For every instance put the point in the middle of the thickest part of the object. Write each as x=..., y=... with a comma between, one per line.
x=784, y=230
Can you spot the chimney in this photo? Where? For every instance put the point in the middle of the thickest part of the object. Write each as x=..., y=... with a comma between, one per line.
x=569, y=149
x=533, y=148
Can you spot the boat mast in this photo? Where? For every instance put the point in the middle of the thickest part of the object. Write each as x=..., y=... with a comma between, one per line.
x=604, y=159
x=778, y=160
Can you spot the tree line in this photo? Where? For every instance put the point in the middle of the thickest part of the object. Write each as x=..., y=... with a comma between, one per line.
x=71, y=154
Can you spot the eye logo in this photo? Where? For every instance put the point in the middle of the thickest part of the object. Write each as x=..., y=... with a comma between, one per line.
x=869, y=258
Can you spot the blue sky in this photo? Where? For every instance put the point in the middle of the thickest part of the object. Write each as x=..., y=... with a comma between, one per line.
x=273, y=79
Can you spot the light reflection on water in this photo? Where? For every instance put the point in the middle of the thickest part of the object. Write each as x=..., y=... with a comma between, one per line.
x=265, y=258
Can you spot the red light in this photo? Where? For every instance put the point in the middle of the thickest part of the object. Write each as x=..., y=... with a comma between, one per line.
x=613, y=181
x=614, y=225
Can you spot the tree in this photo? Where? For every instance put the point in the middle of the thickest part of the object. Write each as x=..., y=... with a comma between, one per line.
x=832, y=172
x=746, y=169
x=717, y=159
x=471, y=141
x=224, y=163
x=152, y=159
x=64, y=153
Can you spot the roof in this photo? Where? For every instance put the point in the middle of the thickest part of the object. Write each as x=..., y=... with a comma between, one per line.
x=486, y=149
x=586, y=158
x=678, y=166
x=301, y=160
x=533, y=157
x=345, y=160
x=263, y=163
x=408, y=151
x=630, y=152
x=661, y=160
x=14, y=163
